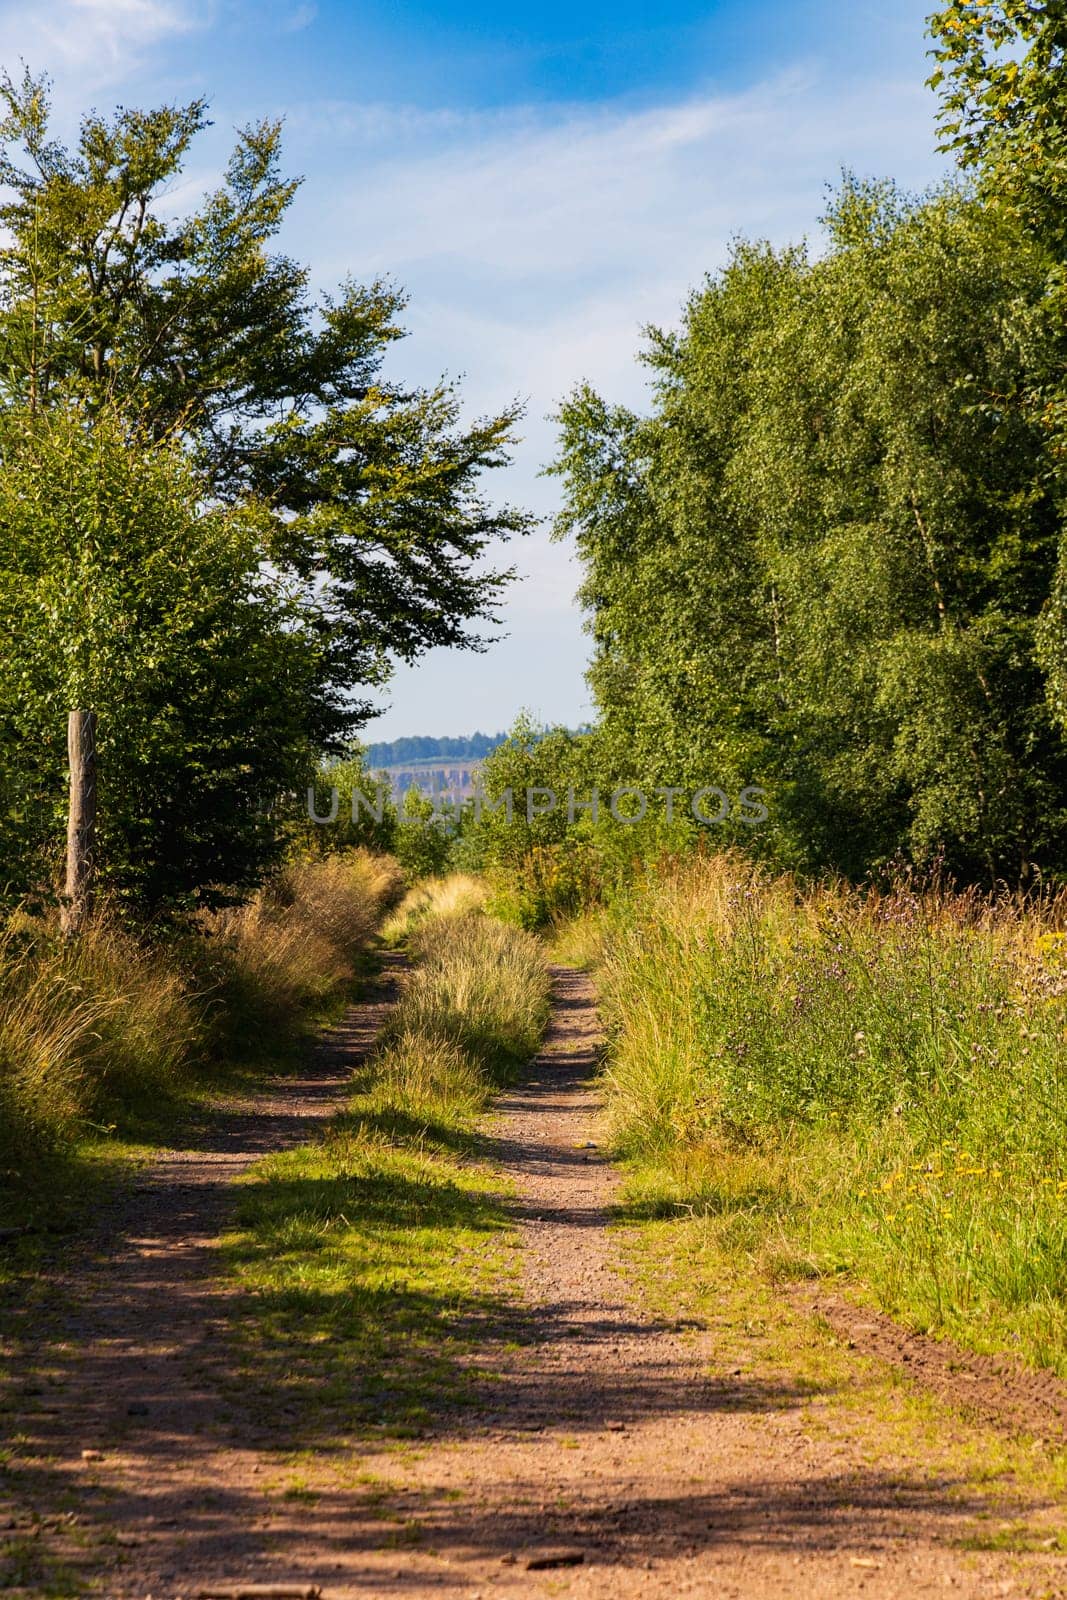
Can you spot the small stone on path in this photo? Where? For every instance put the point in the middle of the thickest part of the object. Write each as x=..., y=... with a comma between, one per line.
x=541, y=1560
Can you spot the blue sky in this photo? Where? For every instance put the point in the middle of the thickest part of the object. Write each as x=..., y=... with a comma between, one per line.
x=544, y=180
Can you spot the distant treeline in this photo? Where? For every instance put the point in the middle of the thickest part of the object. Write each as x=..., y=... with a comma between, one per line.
x=421, y=747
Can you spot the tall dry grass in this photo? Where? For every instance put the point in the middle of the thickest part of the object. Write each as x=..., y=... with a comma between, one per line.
x=106, y=1030
x=82, y=1025
x=864, y=1083
x=291, y=949
x=473, y=1008
x=481, y=984
x=433, y=898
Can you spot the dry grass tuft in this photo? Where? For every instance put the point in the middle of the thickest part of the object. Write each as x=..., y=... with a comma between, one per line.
x=107, y=1029
x=293, y=947
x=434, y=898
x=479, y=984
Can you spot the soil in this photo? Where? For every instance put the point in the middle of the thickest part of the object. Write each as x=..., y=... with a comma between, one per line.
x=998, y=1390
x=610, y=1452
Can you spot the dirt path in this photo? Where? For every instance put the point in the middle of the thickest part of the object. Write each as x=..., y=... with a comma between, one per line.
x=626, y=1441
x=603, y=1437
x=119, y=1351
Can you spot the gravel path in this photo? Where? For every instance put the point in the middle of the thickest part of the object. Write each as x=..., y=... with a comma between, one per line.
x=120, y=1350
x=625, y=1443
x=610, y=1453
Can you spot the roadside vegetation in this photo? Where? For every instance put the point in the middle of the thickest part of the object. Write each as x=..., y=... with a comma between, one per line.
x=864, y=1087
x=435, y=899
x=370, y=1258
x=110, y=1040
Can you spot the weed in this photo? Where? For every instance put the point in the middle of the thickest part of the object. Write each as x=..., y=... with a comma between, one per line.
x=845, y=1083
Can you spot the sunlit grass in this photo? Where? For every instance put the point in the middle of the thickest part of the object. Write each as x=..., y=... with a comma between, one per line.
x=107, y=1041
x=865, y=1086
x=434, y=898
x=372, y=1260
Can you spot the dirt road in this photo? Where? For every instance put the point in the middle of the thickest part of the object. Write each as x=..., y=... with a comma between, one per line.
x=611, y=1451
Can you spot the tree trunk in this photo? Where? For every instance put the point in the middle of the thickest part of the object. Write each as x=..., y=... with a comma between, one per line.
x=81, y=820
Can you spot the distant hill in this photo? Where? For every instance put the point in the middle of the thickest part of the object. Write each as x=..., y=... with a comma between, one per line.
x=421, y=747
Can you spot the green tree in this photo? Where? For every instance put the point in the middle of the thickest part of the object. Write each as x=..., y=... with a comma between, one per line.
x=819, y=564
x=348, y=807
x=121, y=594
x=366, y=495
x=1000, y=71
x=194, y=327
x=1002, y=74
x=424, y=835
x=531, y=824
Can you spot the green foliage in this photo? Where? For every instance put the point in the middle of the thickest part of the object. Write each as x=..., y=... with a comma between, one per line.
x=191, y=335
x=424, y=836
x=870, y=1084
x=196, y=328
x=365, y=812
x=119, y=593
x=819, y=564
x=558, y=847
x=1001, y=72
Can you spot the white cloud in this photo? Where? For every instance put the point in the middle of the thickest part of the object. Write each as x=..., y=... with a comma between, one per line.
x=92, y=44
x=536, y=249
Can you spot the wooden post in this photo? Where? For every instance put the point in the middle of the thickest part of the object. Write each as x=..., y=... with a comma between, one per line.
x=81, y=820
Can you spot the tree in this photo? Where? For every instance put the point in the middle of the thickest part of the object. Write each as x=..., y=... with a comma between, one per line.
x=1002, y=73
x=1001, y=66
x=196, y=329
x=191, y=332
x=819, y=565
x=120, y=594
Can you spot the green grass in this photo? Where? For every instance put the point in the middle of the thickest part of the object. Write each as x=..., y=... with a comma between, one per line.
x=372, y=1262
x=868, y=1088
x=110, y=1044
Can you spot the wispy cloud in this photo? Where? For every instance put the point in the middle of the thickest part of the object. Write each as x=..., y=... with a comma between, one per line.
x=93, y=43
x=538, y=244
